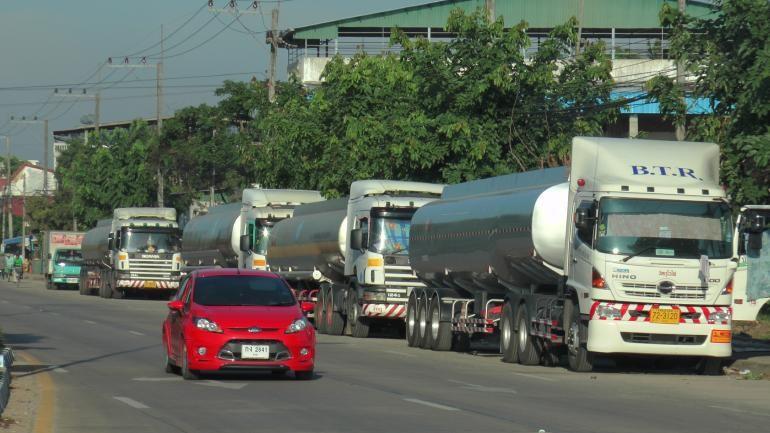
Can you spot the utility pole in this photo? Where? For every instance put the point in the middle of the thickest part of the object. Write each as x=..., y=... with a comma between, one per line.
x=274, y=53
x=24, y=215
x=680, y=128
x=8, y=197
x=7, y=179
x=581, y=6
x=490, y=7
x=159, y=112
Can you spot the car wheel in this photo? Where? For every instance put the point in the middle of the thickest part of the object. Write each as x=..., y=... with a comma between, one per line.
x=528, y=350
x=169, y=366
x=303, y=375
x=187, y=374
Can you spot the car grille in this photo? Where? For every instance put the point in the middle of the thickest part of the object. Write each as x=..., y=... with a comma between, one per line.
x=642, y=290
x=232, y=350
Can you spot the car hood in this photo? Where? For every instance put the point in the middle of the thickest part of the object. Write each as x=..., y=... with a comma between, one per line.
x=245, y=317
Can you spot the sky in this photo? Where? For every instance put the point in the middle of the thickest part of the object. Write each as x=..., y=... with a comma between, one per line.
x=47, y=43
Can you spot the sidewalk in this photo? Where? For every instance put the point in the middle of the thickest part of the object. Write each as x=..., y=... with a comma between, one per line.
x=750, y=354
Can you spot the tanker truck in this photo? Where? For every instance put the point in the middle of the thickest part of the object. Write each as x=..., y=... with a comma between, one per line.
x=751, y=283
x=348, y=258
x=138, y=250
x=627, y=252
x=235, y=235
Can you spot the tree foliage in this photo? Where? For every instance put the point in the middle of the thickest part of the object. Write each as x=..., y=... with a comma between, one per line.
x=729, y=54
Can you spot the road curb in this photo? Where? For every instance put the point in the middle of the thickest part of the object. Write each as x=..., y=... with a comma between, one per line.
x=44, y=415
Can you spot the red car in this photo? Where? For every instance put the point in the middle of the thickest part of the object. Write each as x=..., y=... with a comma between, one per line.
x=237, y=320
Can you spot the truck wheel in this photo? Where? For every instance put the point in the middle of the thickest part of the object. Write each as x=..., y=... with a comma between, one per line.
x=105, y=291
x=359, y=325
x=411, y=320
x=82, y=288
x=709, y=366
x=335, y=323
x=426, y=340
x=49, y=285
x=508, y=338
x=319, y=312
x=528, y=350
x=441, y=332
x=580, y=359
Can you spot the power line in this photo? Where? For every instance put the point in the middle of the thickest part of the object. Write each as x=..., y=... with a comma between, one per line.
x=170, y=35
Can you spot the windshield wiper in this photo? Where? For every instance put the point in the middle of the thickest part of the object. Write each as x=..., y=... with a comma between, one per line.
x=643, y=250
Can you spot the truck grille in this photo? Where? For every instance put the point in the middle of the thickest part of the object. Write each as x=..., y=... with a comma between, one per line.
x=402, y=276
x=642, y=290
x=151, y=269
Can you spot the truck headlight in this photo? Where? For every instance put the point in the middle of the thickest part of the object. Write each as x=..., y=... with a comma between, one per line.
x=719, y=316
x=608, y=312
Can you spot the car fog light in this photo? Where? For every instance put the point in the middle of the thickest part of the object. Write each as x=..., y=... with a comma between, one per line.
x=201, y=351
x=304, y=351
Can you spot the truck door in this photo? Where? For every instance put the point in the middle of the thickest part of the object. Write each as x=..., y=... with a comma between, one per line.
x=581, y=248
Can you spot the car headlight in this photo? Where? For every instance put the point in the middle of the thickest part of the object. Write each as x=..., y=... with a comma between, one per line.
x=719, y=316
x=297, y=326
x=207, y=325
x=608, y=312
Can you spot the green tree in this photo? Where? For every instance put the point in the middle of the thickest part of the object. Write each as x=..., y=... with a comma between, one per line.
x=729, y=53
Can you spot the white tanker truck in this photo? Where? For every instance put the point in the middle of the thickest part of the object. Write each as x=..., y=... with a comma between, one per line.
x=629, y=253
x=349, y=257
x=235, y=235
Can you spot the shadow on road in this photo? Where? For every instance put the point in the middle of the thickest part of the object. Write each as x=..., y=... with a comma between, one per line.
x=43, y=368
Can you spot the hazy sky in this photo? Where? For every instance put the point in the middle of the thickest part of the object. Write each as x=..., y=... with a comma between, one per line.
x=52, y=42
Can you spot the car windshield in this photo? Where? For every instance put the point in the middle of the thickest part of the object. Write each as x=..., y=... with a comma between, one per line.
x=664, y=228
x=242, y=290
x=68, y=256
x=150, y=242
x=391, y=235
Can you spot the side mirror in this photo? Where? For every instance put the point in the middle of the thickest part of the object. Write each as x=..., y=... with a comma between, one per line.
x=755, y=240
x=175, y=305
x=110, y=241
x=245, y=243
x=356, y=239
x=757, y=224
x=582, y=218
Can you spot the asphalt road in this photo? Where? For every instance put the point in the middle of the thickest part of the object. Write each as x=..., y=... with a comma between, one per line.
x=105, y=358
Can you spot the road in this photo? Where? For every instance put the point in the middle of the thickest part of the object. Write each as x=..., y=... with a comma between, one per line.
x=105, y=359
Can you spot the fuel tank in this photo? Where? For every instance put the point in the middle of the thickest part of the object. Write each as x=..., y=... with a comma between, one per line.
x=494, y=233
x=213, y=239
x=95, y=243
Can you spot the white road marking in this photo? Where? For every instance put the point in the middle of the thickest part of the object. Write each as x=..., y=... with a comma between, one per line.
x=218, y=384
x=135, y=332
x=547, y=379
x=730, y=409
x=394, y=352
x=431, y=404
x=90, y=322
x=157, y=379
x=482, y=388
x=131, y=402
x=60, y=370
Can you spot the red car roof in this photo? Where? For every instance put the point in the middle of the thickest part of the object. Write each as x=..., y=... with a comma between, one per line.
x=218, y=272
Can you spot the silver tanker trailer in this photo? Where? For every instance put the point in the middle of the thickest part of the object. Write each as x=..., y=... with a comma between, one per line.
x=349, y=257
x=235, y=235
x=629, y=253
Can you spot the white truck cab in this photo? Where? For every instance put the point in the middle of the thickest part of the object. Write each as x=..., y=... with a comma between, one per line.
x=751, y=249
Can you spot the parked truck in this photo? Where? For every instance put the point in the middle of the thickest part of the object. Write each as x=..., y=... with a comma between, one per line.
x=751, y=283
x=235, y=235
x=138, y=250
x=62, y=258
x=348, y=258
x=626, y=252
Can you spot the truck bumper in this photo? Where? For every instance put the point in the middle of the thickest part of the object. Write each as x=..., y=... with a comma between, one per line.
x=683, y=339
x=148, y=284
x=383, y=310
x=66, y=280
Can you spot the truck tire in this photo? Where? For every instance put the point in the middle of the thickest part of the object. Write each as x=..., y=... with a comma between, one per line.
x=105, y=291
x=424, y=323
x=319, y=312
x=508, y=338
x=578, y=356
x=82, y=288
x=411, y=320
x=441, y=332
x=527, y=348
x=709, y=366
x=335, y=323
x=359, y=325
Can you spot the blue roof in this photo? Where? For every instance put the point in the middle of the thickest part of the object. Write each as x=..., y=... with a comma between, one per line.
x=645, y=106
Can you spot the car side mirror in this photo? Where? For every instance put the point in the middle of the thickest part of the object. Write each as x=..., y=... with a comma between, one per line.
x=175, y=305
x=755, y=240
x=356, y=239
x=245, y=243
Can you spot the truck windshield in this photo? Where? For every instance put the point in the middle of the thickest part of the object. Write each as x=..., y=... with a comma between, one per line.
x=664, y=228
x=68, y=256
x=150, y=242
x=390, y=235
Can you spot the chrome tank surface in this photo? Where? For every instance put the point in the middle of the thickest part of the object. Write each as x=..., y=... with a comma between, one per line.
x=213, y=238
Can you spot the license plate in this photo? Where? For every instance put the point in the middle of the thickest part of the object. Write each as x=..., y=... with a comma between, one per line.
x=249, y=351
x=150, y=284
x=73, y=280
x=667, y=316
